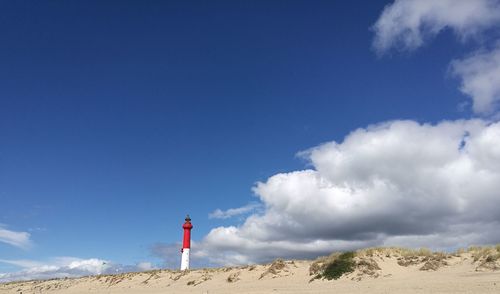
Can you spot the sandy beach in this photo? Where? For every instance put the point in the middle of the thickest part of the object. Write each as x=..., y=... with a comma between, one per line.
x=376, y=271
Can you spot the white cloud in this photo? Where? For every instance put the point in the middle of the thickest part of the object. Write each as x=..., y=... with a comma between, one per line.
x=406, y=24
x=145, y=266
x=17, y=239
x=397, y=183
x=60, y=267
x=57, y=268
x=233, y=211
x=480, y=75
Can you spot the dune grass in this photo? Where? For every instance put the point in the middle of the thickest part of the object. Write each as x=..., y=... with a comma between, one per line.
x=395, y=251
x=485, y=253
x=340, y=266
x=337, y=264
x=333, y=266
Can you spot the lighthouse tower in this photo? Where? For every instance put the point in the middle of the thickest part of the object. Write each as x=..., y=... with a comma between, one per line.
x=186, y=244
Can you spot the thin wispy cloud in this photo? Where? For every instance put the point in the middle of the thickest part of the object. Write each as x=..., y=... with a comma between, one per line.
x=232, y=212
x=24, y=263
x=15, y=238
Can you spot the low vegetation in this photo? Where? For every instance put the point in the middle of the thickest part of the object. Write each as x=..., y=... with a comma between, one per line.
x=342, y=265
x=364, y=262
x=487, y=258
x=275, y=268
x=234, y=277
x=333, y=266
x=395, y=251
x=485, y=253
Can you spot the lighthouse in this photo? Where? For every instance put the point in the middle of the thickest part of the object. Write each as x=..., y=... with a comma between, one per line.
x=186, y=244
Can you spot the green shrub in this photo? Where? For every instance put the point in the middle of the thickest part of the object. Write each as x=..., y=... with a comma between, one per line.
x=342, y=265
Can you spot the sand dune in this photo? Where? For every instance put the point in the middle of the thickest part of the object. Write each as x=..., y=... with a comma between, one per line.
x=375, y=271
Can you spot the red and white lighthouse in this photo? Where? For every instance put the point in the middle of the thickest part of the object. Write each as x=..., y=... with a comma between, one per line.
x=186, y=244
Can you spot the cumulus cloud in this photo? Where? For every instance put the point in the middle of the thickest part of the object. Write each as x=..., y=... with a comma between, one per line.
x=232, y=212
x=17, y=239
x=61, y=267
x=480, y=75
x=406, y=24
x=396, y=183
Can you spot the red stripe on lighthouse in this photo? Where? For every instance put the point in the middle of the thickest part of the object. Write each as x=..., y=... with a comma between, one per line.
x=187, y=233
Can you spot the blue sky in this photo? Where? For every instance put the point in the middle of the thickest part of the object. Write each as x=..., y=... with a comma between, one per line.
x=117, y=119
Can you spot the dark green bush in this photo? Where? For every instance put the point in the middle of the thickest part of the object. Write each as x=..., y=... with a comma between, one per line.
x=342, y=265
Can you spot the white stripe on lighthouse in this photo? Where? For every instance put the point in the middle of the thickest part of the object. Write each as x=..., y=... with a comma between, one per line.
x=185, y=259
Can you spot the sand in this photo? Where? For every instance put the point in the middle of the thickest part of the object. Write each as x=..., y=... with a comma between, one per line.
x=385, y=272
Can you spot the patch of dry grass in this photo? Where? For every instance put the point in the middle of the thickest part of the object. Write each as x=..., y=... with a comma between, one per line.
x=394, y=251
x=179, y=275
x=490, y=253
x=431, y=260
x=152, y=275
x=487, y=257
x=275, y=268
x=205, y=277
x=234, y=277
x=367, y=267
x=407, y=257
